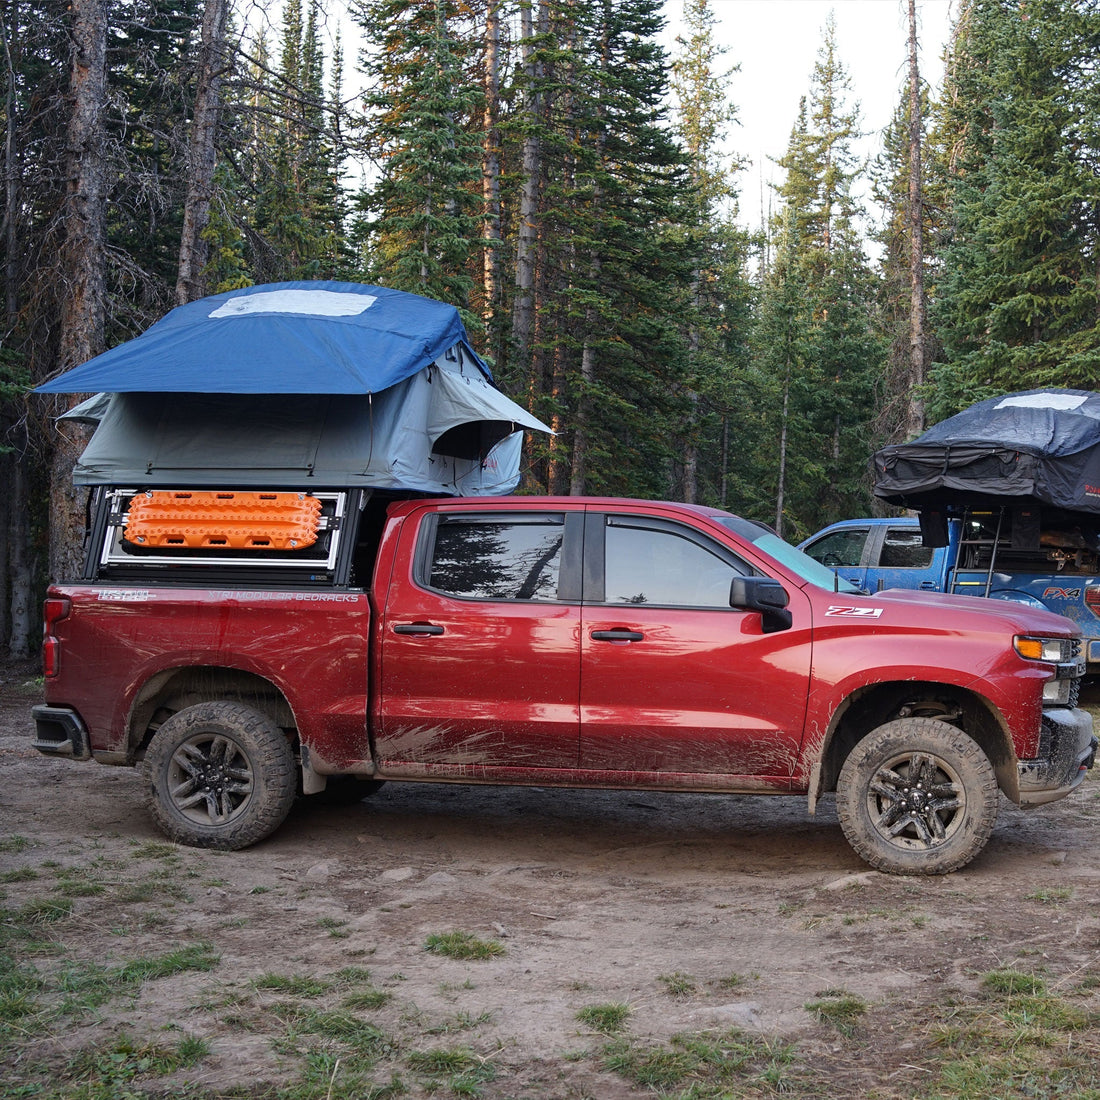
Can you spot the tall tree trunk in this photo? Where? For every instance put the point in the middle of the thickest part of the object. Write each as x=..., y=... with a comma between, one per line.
x=723, y=495
x=202, y=153
x=523, y=311
x=914, y=420
x=781, y=489
x=582, y=426
x=19, y=566
x=12, y=176
x=82, y=267
x=490, y=185
x=7, y=521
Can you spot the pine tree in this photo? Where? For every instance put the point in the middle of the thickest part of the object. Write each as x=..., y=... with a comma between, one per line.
x=820, y=290
x=720, y=293
x=1018, y=301
x=423, y=214
x=603, y=209
x=897, y=389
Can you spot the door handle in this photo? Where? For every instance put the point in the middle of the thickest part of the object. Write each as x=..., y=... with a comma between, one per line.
x=417, y=629
x=927, y=585
x=619, y=635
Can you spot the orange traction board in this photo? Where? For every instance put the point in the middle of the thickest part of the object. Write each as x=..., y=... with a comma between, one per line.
x=175, y=519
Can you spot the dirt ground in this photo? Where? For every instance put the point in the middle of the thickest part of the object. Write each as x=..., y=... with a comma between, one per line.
x=701, y=913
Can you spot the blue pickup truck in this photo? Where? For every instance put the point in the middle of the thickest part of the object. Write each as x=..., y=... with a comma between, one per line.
x=1056, y=569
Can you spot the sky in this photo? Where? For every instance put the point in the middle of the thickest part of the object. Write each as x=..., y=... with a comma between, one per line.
x=776, y=42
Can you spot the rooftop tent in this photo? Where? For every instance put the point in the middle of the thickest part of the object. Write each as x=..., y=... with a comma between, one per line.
x=311, y=395
x=1037, y=446
x=317, y=337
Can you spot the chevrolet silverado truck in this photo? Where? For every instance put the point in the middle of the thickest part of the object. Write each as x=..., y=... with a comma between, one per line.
x=342, y=640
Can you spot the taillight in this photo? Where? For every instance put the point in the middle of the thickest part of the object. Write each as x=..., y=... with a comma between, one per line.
x=54, y=610
x=1092, y=599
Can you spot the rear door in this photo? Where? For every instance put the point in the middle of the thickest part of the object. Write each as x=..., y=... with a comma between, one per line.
x=479, y=645
x=902, y=561
x=674, y=680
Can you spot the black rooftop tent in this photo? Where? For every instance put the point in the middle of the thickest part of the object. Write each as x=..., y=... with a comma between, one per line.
x=1038, y=446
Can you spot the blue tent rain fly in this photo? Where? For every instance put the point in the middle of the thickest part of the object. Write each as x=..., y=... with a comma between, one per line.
x=300, y=385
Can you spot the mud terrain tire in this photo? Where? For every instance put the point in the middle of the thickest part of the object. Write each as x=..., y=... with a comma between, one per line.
x=219, y=775
x=917, y=796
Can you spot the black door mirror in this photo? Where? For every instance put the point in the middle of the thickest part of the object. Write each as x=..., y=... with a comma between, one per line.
x=763, y=594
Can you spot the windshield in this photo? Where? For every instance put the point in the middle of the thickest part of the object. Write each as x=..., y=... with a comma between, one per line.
x=785, y=554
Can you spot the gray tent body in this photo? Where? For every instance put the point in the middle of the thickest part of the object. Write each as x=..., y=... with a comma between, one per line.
x=444, y=430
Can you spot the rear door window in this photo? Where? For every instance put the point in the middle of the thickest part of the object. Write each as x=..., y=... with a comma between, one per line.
x=497, y=558
x=902, y=549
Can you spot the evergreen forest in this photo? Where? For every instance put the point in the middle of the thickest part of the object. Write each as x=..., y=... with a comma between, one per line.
x=560, y=170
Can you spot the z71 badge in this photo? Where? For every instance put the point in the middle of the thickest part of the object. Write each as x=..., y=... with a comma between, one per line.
x=855, y=612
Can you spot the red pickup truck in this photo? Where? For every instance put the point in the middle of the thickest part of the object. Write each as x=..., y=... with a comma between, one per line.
x=573, y=642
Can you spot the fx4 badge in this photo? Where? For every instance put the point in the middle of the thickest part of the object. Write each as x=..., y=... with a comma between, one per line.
x=1062, y=593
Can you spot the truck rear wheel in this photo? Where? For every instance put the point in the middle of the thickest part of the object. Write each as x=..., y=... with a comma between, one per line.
x=917, y=797
x=219, y=775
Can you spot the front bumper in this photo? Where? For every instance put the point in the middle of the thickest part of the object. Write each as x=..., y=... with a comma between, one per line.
x=1067, y=750
x=60, y=732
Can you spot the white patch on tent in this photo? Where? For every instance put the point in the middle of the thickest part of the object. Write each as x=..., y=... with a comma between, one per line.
x=310, y=303
x=1043, y=401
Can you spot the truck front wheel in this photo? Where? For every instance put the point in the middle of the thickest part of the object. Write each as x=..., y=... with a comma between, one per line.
x=219, y=775
x=917, y=797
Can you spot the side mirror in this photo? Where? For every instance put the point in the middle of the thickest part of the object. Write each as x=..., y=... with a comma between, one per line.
x=763, y=594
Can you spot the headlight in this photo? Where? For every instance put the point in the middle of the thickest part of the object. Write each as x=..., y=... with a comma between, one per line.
x=1058, y=691
x=1044, y=649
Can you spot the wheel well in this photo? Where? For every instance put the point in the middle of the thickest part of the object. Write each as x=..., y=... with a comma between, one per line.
x=871, y=707
x=174, y=689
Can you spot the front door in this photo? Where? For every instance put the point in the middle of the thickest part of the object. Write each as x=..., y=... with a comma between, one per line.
x=674, y=680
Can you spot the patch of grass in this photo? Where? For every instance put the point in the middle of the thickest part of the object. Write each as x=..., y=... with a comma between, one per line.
x=732, y=981
x=153, y=849
x=1051, y=895
x=152, y=889
x=463, y=945
x=364, y=995
x=20, y=874
x=114, y=1068
x=75, y=886
x=1019, y=1040
x=19, y=989
x=460, y=1021
x=294, y=985
x=464, y=1070
x=367, y=999
x=363, y=1038
x=724, y=1065
x=678, y=984
x=40, y=911
x=83, y=987
x=609, y=1018
x=1012, y=981
x=840, y=1009
x=14, y=844
x=195, y=956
